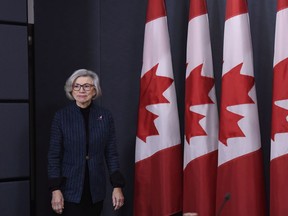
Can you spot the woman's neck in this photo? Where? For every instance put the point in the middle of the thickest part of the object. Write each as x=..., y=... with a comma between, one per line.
x=83, y=105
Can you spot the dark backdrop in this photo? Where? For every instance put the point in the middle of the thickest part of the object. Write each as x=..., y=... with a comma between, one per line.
x=107, y=36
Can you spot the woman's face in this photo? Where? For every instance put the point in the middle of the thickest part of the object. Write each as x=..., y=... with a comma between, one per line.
x=83, y=91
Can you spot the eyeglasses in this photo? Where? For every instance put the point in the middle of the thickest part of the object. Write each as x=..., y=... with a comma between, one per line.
x=85, y=86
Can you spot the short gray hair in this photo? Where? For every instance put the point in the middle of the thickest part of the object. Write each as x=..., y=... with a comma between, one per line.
x=82, y=73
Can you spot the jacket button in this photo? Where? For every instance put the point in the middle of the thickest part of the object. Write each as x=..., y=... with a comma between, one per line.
x=87, y=157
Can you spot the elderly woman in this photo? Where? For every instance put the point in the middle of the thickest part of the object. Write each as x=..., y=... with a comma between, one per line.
x=82, y=138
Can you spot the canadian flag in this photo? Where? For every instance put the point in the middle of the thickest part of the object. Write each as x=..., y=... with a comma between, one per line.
x=240, y=170
x=201, y=117
x=158, y=156
x=279, y=134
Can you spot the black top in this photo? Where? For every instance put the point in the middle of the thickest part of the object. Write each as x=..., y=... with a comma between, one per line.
x=85, y=112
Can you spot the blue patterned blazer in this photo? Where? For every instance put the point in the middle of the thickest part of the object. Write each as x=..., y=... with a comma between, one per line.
x=67, y=151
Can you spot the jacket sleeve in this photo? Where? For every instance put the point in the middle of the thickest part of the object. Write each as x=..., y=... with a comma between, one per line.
x=55, y=150
x=117, y=179
x=111, y=156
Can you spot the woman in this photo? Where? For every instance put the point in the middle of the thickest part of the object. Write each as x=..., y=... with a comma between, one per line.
x=82, y=138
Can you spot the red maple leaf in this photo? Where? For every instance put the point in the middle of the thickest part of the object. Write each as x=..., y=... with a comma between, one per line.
x=235, y=89
x=151, y=92
x=196, y=93
x=280, y=92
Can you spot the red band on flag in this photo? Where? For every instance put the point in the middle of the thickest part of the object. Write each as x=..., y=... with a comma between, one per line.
x=157, y=183
x=197, y=8
x=235, y=7
x=282, y=4
x=278, y=186
x=155, y=9
x=200, y=178
x=237, y=178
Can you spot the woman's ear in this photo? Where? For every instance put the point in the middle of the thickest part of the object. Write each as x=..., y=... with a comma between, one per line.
x=95, y=93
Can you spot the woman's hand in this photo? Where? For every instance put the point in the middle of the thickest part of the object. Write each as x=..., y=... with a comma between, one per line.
x=57, y=201
x=117, y=198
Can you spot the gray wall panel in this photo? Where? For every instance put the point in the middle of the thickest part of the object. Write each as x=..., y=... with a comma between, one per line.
x=13, y=62
x=14, y=141
x=13, y=10
x=15, y=199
